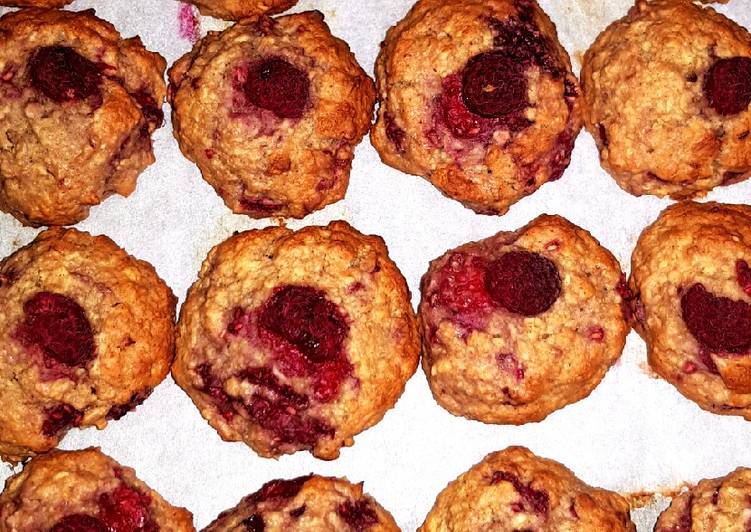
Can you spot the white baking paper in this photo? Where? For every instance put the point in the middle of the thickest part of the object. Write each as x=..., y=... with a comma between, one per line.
x=634, y=433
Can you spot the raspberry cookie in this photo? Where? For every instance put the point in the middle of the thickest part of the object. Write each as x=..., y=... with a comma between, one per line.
x=667, y=91
x=314, y=503
x=237, y=9
x=719, y=504
x=78, y=105
x=271, y=110
x=515, y=490
x=86, y=332
x=296, y=340
x=691, y=276
x=478, y=97
x=85, y=491
x=521, y=324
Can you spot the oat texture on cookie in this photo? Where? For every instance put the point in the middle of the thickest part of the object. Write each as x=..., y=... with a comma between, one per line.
x=86, y=333
x=78, y=105
x=296, y=340
x=667, y=90
x=239, y=9
x=691, y=280
x=85, y=491
x=523, y=323
x=478, y=97
x=271, y=110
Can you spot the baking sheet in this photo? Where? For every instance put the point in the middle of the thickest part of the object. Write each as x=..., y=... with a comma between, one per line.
x=634, y=434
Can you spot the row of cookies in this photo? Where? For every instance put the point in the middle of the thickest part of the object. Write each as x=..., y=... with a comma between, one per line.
x=271, y=109
x=301, y=340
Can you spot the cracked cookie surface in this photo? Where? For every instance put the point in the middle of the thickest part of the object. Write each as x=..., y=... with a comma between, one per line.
x=238, y=9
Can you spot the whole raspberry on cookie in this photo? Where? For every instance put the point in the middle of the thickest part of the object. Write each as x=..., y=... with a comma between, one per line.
x=520, y=324
x=79, y=107
x=296, y=340
x=667, y=91
x=311, y=503
x=85, y=491
x=239, y=9
x=714, y=505
x=86, y=332
x=691, y=280
x=478, y=97
x=271, y=110
x=515, y=490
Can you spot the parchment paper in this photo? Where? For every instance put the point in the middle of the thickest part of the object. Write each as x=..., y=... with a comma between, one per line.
x=634, y=433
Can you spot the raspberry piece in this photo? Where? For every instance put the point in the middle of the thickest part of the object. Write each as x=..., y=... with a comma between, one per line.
x=537, y=500
x=59, y=418
x=359, y=515
x=521, y=40
x=298, y=512
x=63, y=75
x=260, y=205
x=717, y=323
x=727, y=85
x=213, y=386
x=462, y=285
x=79, y=523
x=494, y=85
x=126, y=510
x=118, y=411
x=523, y=282
x=277, y=85
x=743, y=273
x=58, y=327
x=254, y=523
x=279, y=489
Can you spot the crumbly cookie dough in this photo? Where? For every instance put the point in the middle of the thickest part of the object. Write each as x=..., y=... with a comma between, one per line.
x=71, y=491
x=521, y=324
x=667, y=91
x=271, y=110
x=478, y=97
x=691, y=276
x=311, y=503
x=86, y=332
x=296, y=340
x=238, y=9
x=719, y=504
x=516, y=490
x=78, y=105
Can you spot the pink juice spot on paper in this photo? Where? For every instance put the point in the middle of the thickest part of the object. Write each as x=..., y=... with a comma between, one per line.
x=190, y=25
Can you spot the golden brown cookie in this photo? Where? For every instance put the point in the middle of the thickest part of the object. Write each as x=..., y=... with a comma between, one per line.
x=667, y=91
x=478, y=97
x=85, y=491
x=715, y=505
x=520, y=324
x=296, y=340
x=515, y=490
x=691, y=276
x=271, y=110
x=86, y=332
x=238, y=9
x=311, y=503
x=35, y=3
x=78, y=105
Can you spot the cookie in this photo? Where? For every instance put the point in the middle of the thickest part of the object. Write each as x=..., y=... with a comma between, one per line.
x=691, y=279
x=86, y=332
x=314, y=503
x=35, y=3
x=271, y=110
x=520, y=324
x=238, y=9
x=478, y=97
x=515, y=490
x=78, y=105
x=667, y=91
x=718, y=504
x=76, y=491
x=296, y=340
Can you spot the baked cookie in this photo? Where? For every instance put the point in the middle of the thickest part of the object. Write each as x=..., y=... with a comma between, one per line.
x=35, y=3
x=691, y=276
x=314, y=503
x=86, y=332
x=296, y=340
x=515, y=490
x=667, y=91
x=237, y=9
x=478, y=97
x=78, y=105
x=85, y=491
x=271, y=110
x=520, y=324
